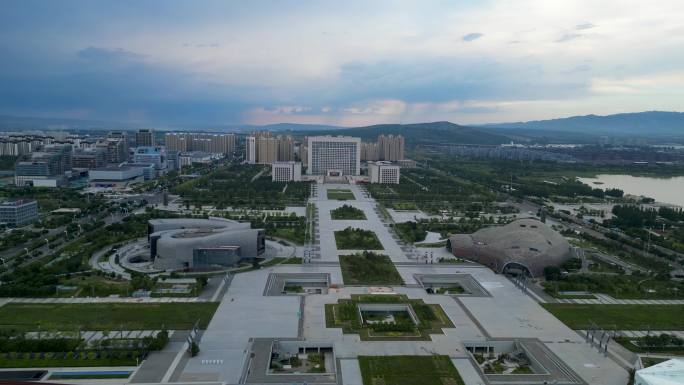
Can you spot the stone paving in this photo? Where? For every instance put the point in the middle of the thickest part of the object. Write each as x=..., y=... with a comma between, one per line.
x=327, y=226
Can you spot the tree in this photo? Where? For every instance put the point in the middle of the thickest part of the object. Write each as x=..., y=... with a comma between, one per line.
x=552, y=273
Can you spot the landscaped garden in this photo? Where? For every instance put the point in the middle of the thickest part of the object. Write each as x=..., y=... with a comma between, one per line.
x=387, y=318
x=357, y=239
x=347, y=212
x=369, y=268
x=619, y=317
x=409, y=370
x=504, y=363
x=656, y=343
x=340, y=194
x=70, y=349
x=621, y=286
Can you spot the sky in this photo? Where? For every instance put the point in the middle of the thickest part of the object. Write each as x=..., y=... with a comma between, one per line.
x=348, y=63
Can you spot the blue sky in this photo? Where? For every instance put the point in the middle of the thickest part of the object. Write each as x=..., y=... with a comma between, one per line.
x=344, y=63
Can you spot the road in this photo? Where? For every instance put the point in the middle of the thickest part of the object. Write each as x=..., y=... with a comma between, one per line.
x=599, y=232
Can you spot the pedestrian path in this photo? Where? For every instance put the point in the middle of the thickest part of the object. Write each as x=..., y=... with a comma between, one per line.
x=608, y=300
x=644, y=333
x=4, y=301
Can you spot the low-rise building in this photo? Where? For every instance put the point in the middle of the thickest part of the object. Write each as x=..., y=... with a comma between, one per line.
x=18, y=212
x=383, y=172
x=116, y=176
x=187, y=243
x=188, y=158
x=286, y=172
x=407, y=163
x=149, y=154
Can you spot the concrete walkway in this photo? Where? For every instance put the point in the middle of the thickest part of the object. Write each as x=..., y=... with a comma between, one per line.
x=608, y=300
x=154, y=369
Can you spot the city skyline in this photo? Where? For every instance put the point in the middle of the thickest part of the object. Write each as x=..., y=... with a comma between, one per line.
x=349, y=64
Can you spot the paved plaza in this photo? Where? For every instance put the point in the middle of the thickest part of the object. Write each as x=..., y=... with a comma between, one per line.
x=256, y=312
x=373, y=222
x=250, y=312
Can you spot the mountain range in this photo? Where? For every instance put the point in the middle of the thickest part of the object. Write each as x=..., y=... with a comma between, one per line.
x=650, y=124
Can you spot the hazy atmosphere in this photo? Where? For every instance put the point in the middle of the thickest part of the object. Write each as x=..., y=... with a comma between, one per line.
x=341, y=63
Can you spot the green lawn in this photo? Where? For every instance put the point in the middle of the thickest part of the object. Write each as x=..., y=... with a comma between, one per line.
x=404, y=206
x=357, y=239
x=347, y=212
x=106, y=316
x=369, y=269
x=650, y=361
x=94, y=376
x=621, y=317
x=340, y=194
x=80, y=361
x=409, y=370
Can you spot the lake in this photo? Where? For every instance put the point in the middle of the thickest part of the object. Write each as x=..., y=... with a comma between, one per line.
x=667, y=190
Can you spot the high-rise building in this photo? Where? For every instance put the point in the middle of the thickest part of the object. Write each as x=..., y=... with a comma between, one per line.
x=369, y=151
x=304, y=153
x=390, y=147
x=383, y=172
x=333, y=155
x=266, y=149
x=286, y=147
x=144, y=137
x=250, y=150
x=211, y=143
x=116, y=144
x=89, y=158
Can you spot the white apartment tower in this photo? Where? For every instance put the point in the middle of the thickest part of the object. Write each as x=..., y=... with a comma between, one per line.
x=250, y=150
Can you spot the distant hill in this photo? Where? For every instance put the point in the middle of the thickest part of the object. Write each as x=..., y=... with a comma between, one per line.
x=23, y=123
x=650, y=123
x=423, y=133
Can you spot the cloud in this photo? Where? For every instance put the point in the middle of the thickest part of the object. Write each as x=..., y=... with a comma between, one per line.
x=472, y=36
x=107, y=54
x=351, y=62
x=568, y=37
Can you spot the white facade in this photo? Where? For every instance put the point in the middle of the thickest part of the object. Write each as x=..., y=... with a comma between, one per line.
x=250, y=150
x=333, y=153
x=115, y=173
x=286, y=172
x=665, y=373
x=383, y=172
